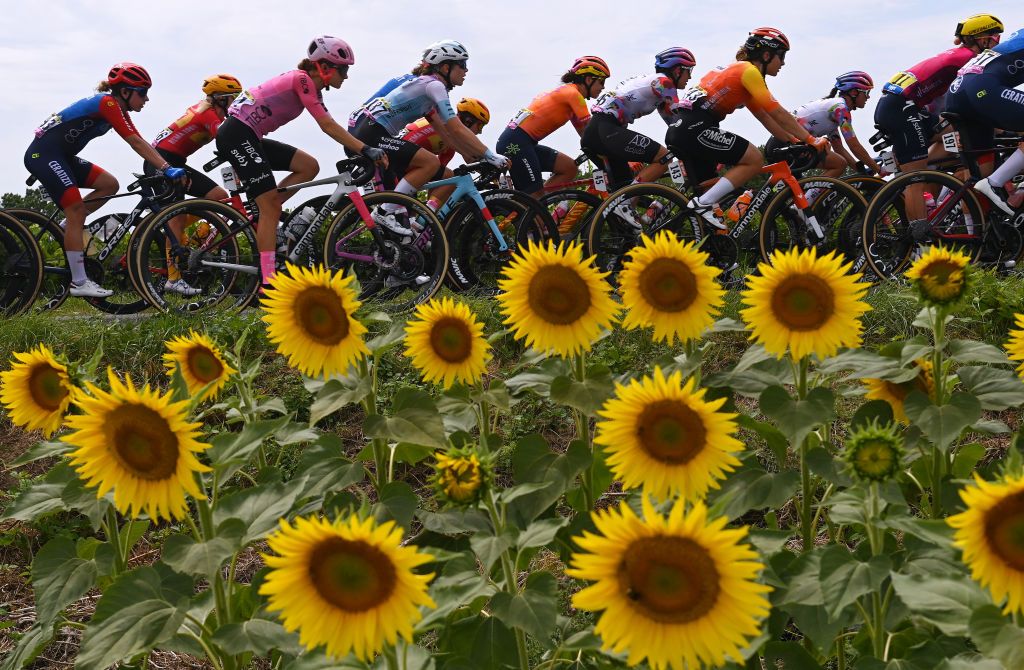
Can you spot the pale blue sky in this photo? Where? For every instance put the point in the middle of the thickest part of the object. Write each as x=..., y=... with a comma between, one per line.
x=53, y=53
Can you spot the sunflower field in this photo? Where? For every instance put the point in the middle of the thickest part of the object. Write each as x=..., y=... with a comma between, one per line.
x=529, y=497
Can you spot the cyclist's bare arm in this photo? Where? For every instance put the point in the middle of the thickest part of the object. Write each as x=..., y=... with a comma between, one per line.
x=464, y=141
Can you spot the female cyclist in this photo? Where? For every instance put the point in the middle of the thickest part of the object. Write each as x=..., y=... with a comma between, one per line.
x=702, y=145
x=444, y=66
x=261, y=110
x=175, y=143
x=830, y=117
x=901, y=112
x=52, y=158
x=607, y=133
x=548, y=112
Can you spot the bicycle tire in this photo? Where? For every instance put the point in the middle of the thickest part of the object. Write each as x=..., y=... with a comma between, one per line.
x=21, y=266
x=886, y=239
x=50, y=237
x=227, y=240
x=387, y=276
x=835, y=205
x=574, y=222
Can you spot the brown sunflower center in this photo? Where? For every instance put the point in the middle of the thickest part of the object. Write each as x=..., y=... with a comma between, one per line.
x=559, y=295
x=203, y=364
x=898, y=391
x=46, y=386
x=143, y=442
x=668, y=285
x=320, y=314
x=942, y=280
x=671, y=432
x=803, y=302
x=1004, y=530
x=669, y=579
x=451, y=340
x=352, y=575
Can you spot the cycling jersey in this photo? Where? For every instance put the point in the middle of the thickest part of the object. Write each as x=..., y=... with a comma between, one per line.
x=724, y=89
x=70, y=129
x=421, y=96
x=1004, y=63
x=828, y=117
x=930, y=78
x=190, y=132
x=424, y=135
x=277, y=101
x=389, y=86
x=549, y=111
x=637, y=97
x=985, y=93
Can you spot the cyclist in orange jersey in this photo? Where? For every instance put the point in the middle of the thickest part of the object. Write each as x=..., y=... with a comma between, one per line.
x=696, y=138
x=548, y=112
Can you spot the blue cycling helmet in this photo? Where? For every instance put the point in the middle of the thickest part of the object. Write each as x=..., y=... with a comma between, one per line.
x=855, y=79
x=673, y=56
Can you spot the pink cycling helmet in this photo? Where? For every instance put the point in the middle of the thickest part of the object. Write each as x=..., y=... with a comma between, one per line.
x=854, y=79
x=673, y=56
x=331, y=49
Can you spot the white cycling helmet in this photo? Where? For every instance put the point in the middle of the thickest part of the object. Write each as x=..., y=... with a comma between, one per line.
x=443, y=51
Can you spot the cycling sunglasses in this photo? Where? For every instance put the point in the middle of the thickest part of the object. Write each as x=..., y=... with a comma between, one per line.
x=142, y=91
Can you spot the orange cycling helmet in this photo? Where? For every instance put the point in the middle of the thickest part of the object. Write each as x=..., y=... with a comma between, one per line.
x=129, y=74
x=221, y=84
x=475, y=108
x=591, y=65
x=770, y=39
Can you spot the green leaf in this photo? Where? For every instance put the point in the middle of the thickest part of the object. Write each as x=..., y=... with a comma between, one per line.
x=44, y=449
x=455, y=521
x=935, y=531
x=183, y=554
x=29, y=646
x=997, y=636
x=337, y=393
x=972, y=351
x=802, y=580
x=59, y=577
x=754, y=489
x=496, y=395
x=41, y=497
x=533, y=611
x=533, y=461
x=230, y=451
x=398, y=502
x=489, y=548
x=995, y=389
x=326, y=468
x=587, y=396
x=788, y=655
x=754, y=379
x=943, y=424
x=388, y=340
x=519, y=490
x=844, y=578
x=415, y=420
x=944, y=602
x=867, y=365
x=540, y=533
x=772, y=436
x=81, y=498
x=258, y=636
x=877, y=410
x=453, y=591
x=972, y=664
x=494, y=646
x=797, y=418
x=259, y=507
x=967, y=456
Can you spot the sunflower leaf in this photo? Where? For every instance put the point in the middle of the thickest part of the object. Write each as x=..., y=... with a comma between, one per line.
x=493, y=646
x=259, y=507
x=388, y=340
x=43, y=449
x=995, y=389
x=942, y=424
x=415, y=420
x=230, y=451
x=534, y=611
x=587, y=396
x=398, y=503
x=29, y=646
x=789, y=655
x=997, y=636
x=42, y=497
x=844, y=578
x=945, y=602
x=259, y=636
x=337, y=393
x=797, y=418
x=489, y=548
x=325, y=467
x=59, y=577
x=972, y=351
x=183, y=554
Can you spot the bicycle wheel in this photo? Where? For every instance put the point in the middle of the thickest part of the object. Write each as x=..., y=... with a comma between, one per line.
x=835, y=206
x=21, y=266
x=956, y=222
x=50, y=238
x=655, y=207
x=867, y=185
x=571, y=211
x=106, y=263
x=393, y=276
x=217, y=257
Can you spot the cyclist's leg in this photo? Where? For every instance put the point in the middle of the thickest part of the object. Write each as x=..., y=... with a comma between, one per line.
x=562, y=166
x=301, y=166
x=102, y=184
x=438, y=196
x=833, y=165
x=525, y=170
x=911, y=130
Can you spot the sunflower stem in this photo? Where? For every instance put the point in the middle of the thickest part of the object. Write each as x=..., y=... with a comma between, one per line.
x=390, y=657
x=691, y=350
x=583, y=433
x=841, y=650
x=807, y=520
x=939, y=375
x=381, y=475
x=511, y=585
x=114, y=537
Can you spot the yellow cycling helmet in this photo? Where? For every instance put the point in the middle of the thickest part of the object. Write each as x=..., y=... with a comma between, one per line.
x=475, y=108
x=979, y=24
x=220, y=84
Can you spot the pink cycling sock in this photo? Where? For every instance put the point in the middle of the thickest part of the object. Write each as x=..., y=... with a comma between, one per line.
x=267, y=266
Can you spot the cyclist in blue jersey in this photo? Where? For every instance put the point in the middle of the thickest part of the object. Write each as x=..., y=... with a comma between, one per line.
x=52, y=158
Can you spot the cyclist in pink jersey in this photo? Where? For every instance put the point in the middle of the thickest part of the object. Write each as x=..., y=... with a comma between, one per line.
x=264, y=109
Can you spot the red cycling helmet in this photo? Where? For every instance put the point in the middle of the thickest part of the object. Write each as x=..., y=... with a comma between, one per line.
x=591, y=65
x=768, y=38
x=129, y=74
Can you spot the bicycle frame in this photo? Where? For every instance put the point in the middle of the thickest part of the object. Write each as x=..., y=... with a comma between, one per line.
x=777, y=173
x=465, y=188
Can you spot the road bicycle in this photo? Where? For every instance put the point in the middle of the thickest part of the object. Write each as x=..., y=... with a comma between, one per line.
x=21, y=266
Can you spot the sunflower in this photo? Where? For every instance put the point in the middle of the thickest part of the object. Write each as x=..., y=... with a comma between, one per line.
x=1015, y=346
x=138, y=443
x=459, y=477
x=941, y=276
x=809, y=304
x=201, y=363
x=680, y=590
x=309, y=316
x=661, y=435
x=554, y=299
x=668, y=285
x=347, y=584
x=895, y=393
x=445, y=342
x=36, y=390
x=874, y=452
x=991, y=534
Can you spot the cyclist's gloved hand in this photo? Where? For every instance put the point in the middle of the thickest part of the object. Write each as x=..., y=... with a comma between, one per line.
x=373, y=153
x=819, y=143
x=174, y=172
x=497, y=160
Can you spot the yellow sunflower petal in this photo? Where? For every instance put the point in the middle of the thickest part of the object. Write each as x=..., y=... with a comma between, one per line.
x=1015, y=345
x=445, y=342
x=309, y=316
x=36, y=390
x=806, y=304
x=895, y=393
x=349, y=584
x=201, y=363
x=941, y=276
x=555, y=300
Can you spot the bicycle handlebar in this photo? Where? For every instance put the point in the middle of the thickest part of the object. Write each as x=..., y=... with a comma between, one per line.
x=480, y=167
x=360, y=167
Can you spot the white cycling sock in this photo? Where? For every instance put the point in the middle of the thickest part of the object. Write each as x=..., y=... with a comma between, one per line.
x=405, y=188
x=76, y=263
x=719, y=190
x=1010, y=168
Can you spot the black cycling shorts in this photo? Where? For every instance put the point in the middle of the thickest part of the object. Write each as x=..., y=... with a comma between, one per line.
x=529, y=160
x=908, y=126
x=198, y=183
x=400, y=152
x=604, y=135
x=695, y=138
x=254, y=160
x=59, y=174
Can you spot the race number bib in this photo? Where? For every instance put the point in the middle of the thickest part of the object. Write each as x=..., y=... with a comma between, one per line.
x=600, y=181
x=951, y=142
x=676, y=172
